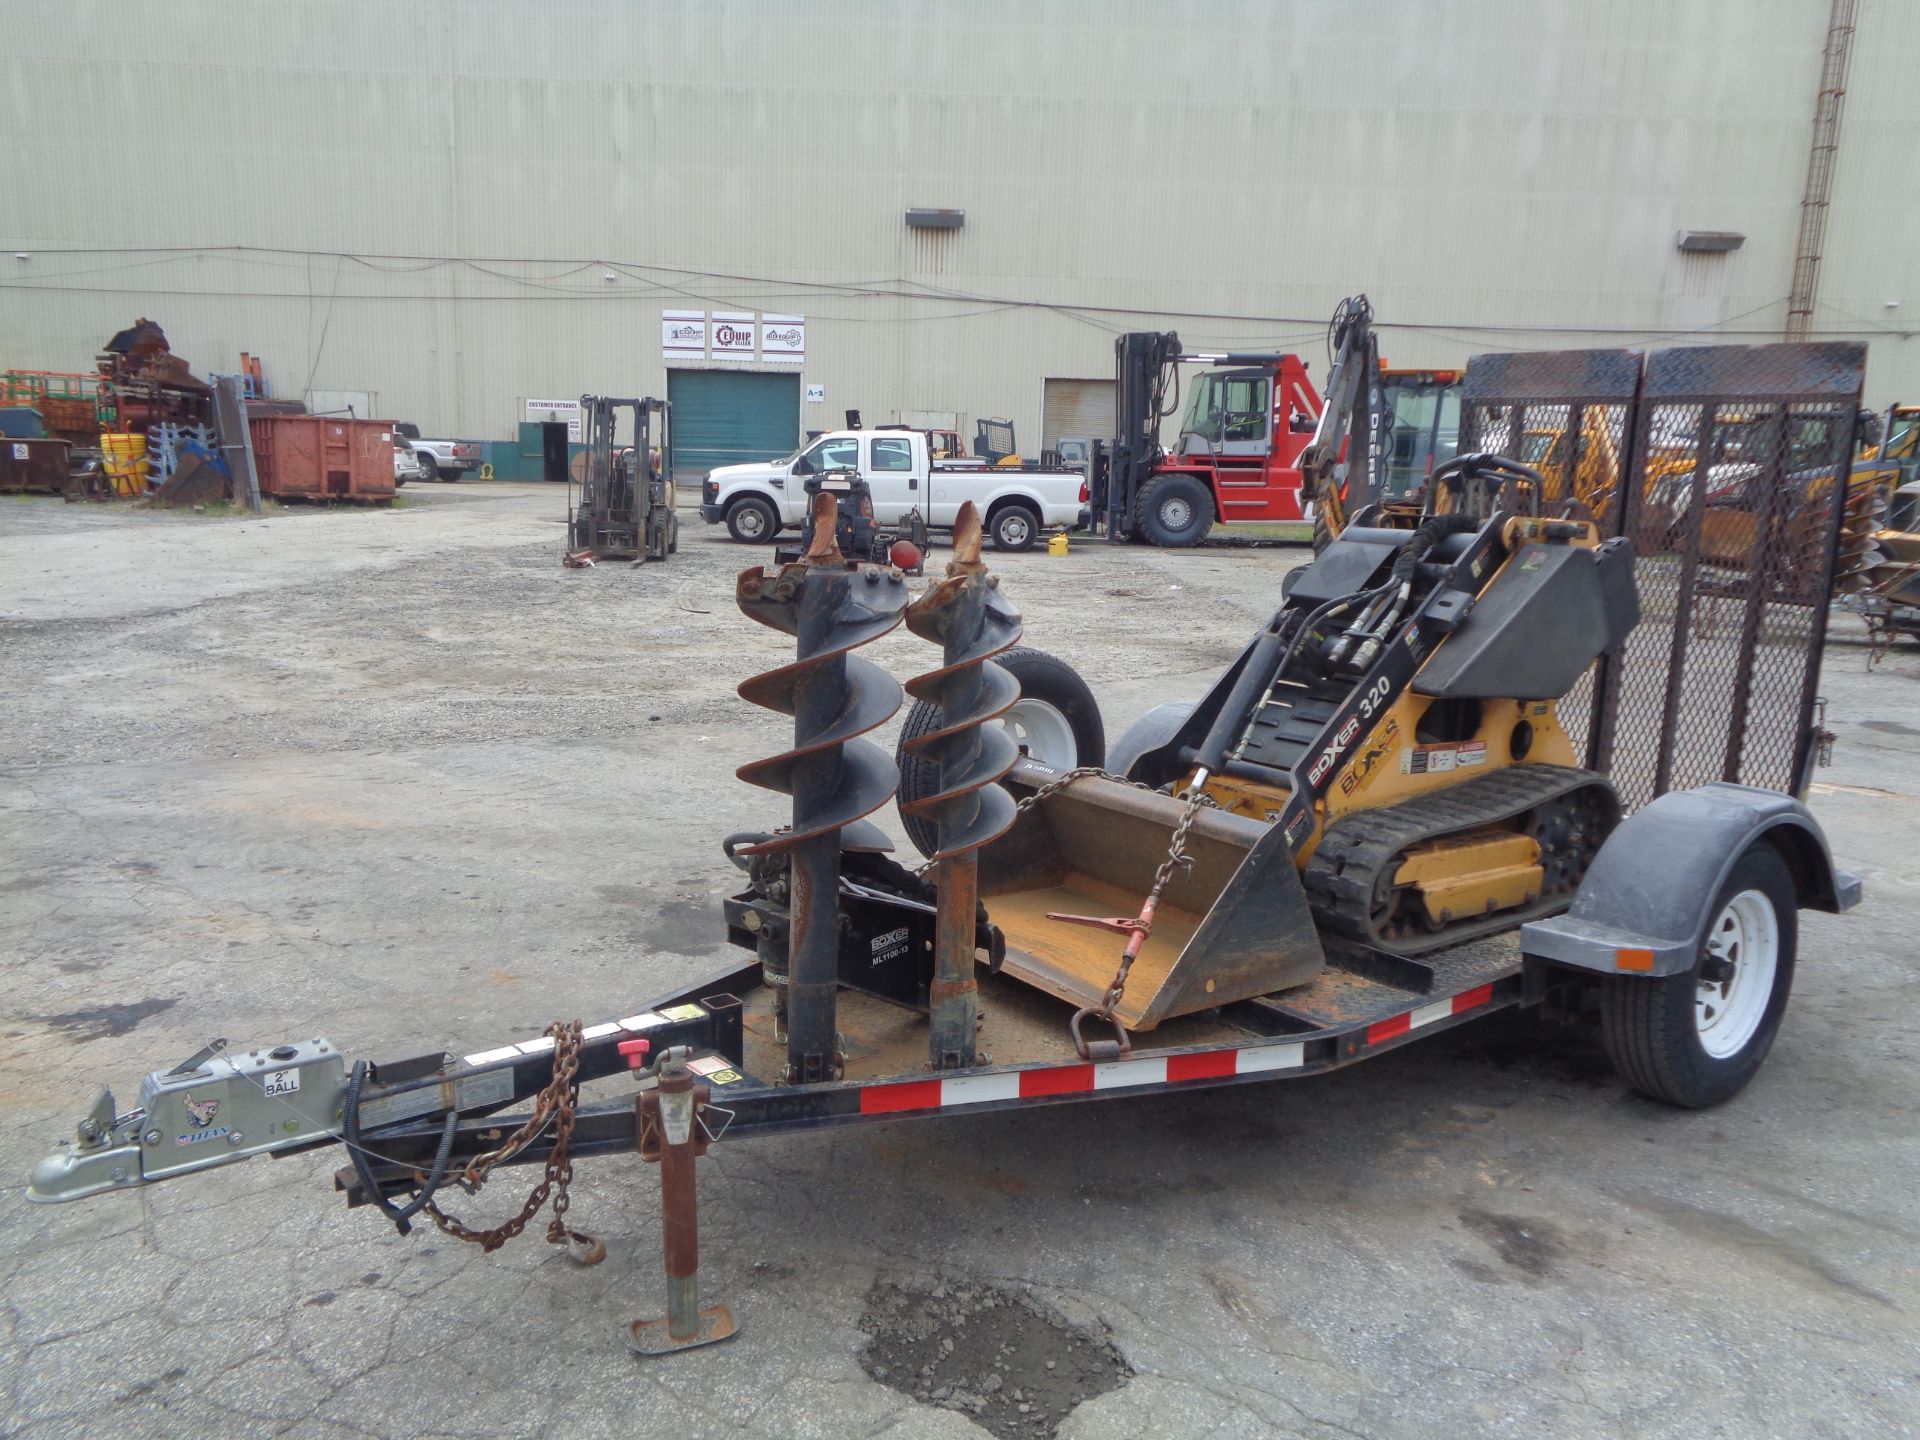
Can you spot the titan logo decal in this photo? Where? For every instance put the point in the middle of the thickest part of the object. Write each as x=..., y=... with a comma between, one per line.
x=1334, y=751
x=1361, y=769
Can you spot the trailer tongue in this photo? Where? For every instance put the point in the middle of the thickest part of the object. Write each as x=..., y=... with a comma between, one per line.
x=1364, y=833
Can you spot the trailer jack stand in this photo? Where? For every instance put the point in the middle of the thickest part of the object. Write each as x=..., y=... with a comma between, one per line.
x=673, y=1132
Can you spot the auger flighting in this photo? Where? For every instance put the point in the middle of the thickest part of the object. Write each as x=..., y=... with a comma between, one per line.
x=967, y=616
x=830, y=607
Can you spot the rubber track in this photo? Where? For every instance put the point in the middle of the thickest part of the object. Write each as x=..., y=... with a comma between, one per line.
x=1356, y=848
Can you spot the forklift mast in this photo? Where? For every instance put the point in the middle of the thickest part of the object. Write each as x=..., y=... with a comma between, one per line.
x=624, y=506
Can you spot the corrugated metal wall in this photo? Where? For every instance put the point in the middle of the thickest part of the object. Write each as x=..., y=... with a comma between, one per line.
x=434, y=189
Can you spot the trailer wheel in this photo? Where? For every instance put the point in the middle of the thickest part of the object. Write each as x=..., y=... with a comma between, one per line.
x=1056, y=721
x=751, y=520
x=1175, y=511
x=1695, y=1039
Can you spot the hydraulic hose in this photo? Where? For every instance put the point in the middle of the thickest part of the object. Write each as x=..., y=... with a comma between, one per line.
x=1259, y=676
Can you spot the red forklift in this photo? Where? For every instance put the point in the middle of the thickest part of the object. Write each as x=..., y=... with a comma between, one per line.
x=1249, y=424
x=1237, y=457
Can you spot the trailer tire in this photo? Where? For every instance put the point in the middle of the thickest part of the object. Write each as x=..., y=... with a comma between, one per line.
x=1174, y=511
x=1057, y=701
x=752, y=521
x=1671, y=1041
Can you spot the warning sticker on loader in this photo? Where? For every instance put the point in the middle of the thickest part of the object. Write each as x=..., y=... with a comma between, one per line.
x=1435, y=759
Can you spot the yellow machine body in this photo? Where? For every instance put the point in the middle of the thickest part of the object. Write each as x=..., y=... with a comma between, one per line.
x=1237, y=919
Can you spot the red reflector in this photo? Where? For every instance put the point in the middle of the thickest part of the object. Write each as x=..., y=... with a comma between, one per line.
x=1387, y=1029
x=1472, y=999
x=1065, y=1080
x=1200, y=1067
x=914, y=1095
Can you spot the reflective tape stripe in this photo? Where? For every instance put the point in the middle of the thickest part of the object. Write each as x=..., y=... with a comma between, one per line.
x=1122, y=1073
x=964, y=1090
x=1256, y=1059
x=979, y=1089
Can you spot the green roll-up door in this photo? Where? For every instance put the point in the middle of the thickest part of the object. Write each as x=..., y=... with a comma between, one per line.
x=728, y=417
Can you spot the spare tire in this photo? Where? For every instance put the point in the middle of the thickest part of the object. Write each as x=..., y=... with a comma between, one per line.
x=1056, y=720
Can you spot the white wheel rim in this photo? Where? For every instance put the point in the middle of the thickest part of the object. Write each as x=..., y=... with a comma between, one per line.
x=1042, y=732
x=1014, y=529
x=751, y=522
x=1745, y=937
x=1175, y=513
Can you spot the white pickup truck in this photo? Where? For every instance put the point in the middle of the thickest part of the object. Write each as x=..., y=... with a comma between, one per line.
x=440, y=459
x=756, y=502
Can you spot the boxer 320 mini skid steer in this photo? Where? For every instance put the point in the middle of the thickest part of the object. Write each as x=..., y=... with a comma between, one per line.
x=1373, y=827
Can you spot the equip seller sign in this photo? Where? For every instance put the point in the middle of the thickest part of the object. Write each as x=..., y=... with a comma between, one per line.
x=732, y=336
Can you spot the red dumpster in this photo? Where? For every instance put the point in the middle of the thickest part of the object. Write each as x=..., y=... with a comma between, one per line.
x=37, y=465
x=323, y=457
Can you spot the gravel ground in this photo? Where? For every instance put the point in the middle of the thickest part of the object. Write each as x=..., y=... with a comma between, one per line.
x=397, y=778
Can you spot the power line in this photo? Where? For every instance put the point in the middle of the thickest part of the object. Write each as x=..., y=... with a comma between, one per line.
x=891, y=289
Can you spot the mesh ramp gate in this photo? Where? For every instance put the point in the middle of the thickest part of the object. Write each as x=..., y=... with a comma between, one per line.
x=1735, y=461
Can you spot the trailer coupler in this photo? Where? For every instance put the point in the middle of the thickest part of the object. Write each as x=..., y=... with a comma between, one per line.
x=210, y=1109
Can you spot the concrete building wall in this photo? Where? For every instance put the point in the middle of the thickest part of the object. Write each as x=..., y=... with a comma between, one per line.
x=422, y=198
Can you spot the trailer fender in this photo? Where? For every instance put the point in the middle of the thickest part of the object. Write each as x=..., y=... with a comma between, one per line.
x=1652, y=887
x=1149, y=732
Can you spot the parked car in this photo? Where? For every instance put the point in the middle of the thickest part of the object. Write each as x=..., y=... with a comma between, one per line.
x=441, y=459
x=408, y=464
x=755, y=502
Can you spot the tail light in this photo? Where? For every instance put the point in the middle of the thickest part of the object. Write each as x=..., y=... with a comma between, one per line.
x=866, y=506
x=1084, y=492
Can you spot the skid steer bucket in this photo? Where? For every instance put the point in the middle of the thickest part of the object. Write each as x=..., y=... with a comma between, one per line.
x=1233, y=924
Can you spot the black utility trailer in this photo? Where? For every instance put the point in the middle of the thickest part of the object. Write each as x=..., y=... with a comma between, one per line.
x=877, y=993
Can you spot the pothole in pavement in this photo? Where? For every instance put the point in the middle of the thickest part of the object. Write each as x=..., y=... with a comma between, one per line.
x=1009, y=1361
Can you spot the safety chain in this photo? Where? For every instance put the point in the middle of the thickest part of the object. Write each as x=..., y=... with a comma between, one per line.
x=557, y=1103
x=1085, y=772
x=1177, y=859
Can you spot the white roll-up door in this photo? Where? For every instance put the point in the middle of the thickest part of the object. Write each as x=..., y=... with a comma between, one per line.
x=1076, y=410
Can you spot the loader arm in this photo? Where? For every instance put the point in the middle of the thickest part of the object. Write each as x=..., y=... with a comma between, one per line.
x=1352, y=422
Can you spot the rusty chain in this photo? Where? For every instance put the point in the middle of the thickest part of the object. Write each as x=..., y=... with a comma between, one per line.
x=557, y=1103
x=1060, y=782
x=1197, y=800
